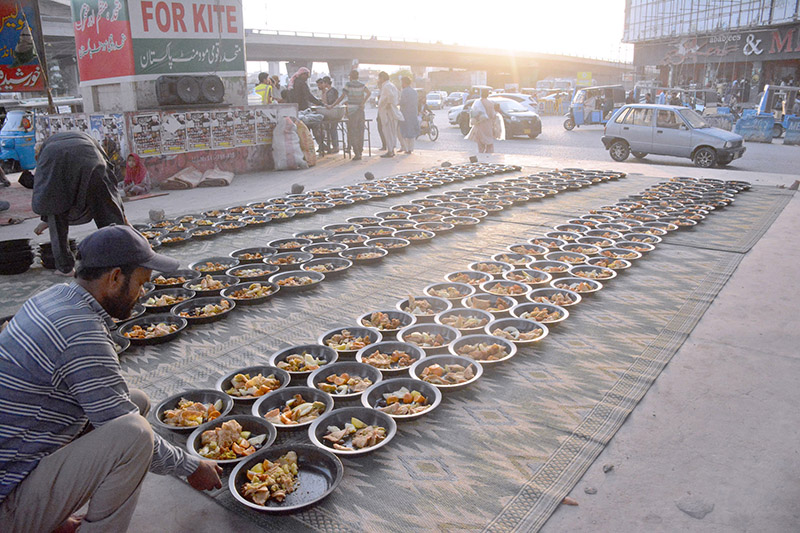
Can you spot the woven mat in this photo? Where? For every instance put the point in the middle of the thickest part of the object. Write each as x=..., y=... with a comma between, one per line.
x=500, y=455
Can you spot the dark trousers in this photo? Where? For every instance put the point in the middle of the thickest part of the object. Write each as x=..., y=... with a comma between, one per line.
x=331, y=137
x=355, y=131
x=102, y=206
x=380, y=132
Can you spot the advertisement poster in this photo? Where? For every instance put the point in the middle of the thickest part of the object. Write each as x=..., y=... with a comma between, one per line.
x=198, y=130
x=266, y=119
x=244, y=123
x=103, y=43
x=42, y=128
x=173, y=132
x=19, y=63
x=146, y=133
x=222, y=130
x=187, y=37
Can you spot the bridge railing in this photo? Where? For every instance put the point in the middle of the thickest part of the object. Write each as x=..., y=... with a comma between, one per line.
x=619, y=59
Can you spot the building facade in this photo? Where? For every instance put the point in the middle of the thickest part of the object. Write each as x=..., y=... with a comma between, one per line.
x=712, y=43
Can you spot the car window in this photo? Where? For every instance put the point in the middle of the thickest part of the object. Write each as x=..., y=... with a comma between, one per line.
x=694, y=120
x=667, y=119
x=510, y=106
x=622, y=114
x=641, y=116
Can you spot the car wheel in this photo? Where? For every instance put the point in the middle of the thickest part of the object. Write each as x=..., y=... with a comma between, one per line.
x=569, y=124
x=777, y=130
x=433, y=132
x=639, y=155
x=464, y=125
x=10, y=166
x=619, y=151
x=533, y=135
x=705, y=157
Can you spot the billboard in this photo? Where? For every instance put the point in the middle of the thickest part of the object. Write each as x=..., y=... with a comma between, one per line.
x=20, y=70
x=144, y=39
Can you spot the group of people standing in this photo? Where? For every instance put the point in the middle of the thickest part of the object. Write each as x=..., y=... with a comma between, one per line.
x=398, y=118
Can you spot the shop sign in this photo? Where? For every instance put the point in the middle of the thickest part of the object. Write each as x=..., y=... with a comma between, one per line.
x=584, y=79
x=20, y=70
x=759, y=45
x=128, y=40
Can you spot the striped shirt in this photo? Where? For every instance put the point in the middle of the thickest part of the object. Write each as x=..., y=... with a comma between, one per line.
x=58, y=371
x=356, y=94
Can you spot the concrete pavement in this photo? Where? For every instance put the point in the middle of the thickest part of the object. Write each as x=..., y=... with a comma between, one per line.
x=717, y=431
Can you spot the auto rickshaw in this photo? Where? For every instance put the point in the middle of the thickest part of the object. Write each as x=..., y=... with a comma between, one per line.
x=778, y=102
x=594, y=105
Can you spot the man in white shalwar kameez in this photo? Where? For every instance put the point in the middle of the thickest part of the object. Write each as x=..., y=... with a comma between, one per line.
x=387, y=111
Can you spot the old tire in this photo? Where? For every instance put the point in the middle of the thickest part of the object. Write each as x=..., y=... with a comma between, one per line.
x=533, y=135
x=639, y=155
x=619, y=150
x=705, y=157
x=433, y=132
x=777, y=130
x=569, y=124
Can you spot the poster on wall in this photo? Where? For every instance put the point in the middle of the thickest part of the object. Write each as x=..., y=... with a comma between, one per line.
x=109, y=131
x=42, y=128
x=266, y=119
x=173, y=133
x=103, y=43
x=222, y=130
x=244, y=123
x=20, y=70
x=198, y=130
x=146, y=133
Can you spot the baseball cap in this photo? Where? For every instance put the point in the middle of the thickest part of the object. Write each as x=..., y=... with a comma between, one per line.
x=114, y=246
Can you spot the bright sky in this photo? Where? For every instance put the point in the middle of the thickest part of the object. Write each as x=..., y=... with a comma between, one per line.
x=590, y=28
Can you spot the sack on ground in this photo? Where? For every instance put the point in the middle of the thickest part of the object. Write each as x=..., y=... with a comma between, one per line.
x=286, y=151
x=187, y=178
x=306, y=143
x=214, y=177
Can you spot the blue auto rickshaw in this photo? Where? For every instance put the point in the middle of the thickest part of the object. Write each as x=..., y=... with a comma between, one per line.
x=594, y=105
x=778, y=102
x=18, y=140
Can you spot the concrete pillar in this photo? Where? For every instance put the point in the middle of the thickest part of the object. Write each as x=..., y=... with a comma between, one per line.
x=340, y=71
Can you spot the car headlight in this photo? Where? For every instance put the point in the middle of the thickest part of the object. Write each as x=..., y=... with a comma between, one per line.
x=728, y=144
x=515, y=119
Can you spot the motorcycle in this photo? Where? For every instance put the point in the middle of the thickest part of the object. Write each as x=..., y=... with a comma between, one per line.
x=427, y=127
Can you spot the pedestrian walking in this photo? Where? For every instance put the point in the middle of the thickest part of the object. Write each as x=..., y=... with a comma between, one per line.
x=486, y=122
x=387, y=111
x=355, y=94
x=74, y=184
x=409, y=107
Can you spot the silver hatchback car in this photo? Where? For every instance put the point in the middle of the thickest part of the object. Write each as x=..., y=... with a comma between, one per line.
x=642, y=129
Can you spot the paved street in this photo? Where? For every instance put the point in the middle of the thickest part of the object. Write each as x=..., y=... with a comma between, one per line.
x=555, y=144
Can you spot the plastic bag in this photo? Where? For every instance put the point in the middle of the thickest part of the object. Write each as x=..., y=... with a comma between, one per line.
x=286, y=151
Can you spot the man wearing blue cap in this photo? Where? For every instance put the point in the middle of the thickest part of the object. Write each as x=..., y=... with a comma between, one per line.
x=59, y=375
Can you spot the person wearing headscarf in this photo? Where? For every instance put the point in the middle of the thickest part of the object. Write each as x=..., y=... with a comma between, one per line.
x=486, y=122
x=409, y=107
x=137, y=180
x=74, y=184
x=299, y=91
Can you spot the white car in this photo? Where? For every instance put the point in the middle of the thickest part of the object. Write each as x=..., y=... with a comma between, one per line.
x=525, y=99
x=434, y=100
x=452, y=114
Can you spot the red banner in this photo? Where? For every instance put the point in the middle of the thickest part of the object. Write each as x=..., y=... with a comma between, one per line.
x=102, y=39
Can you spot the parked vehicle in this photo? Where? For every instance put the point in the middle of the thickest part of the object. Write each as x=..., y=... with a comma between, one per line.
x=642, y=129
x=427, y=127
x=453, y=113
x=434, y=100
x=594, y=105
x=455, y=98
x=778, y=102
x=527, y=100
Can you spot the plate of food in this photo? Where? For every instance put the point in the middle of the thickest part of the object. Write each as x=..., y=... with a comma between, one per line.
x=349, y=340
x=487, y=349
x=169, y=280
x=470, y=277
x=300, y=360
x=364, y=254
x=352, y=430
x=247, y=256
x=520, y=331
x=289, y=260
x=529, y=277
x=204, y=310
x=391, y=244
x=544, y=313
x=578, y=285
x=504, y=287
x=188, y=410
x=314, y=235
x=322, y=249
x=403, y=398
x=559, y=297
x=247, y=384
x=447, y=372
x=292, y=244
x=251, y=293
x=495, y=304
x=252, y=272
x=293, y=408
x=209, y=285
x=152, y=329
x=330, y=266
x=495, y=269
x=344, y=380
x=415, y=236
x=390, y=357
x=297, y=280
x=161, y=301
x=214, y=265
x=529, y=250
x=432, y=338
x=388, y=322
x=286, y=478
x=464, y=320
x=450, y=291
x=589, y=271
x=229, y=439
x=424, y=307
